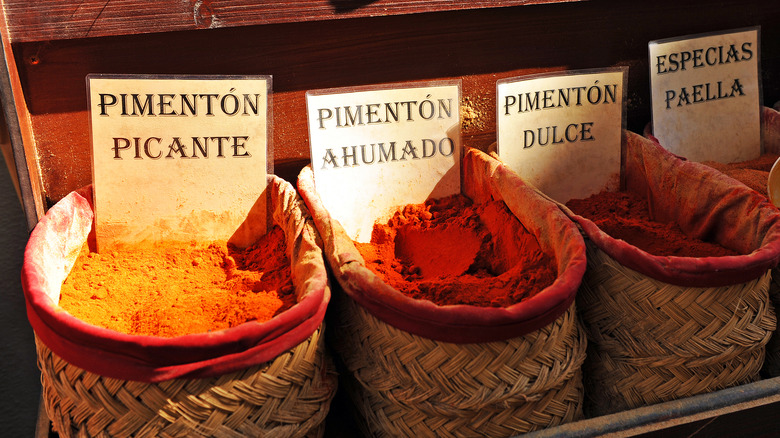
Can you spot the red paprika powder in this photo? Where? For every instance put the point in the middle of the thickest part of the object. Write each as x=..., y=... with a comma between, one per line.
x=626, y=216
x=451, y=251
x=752, y=173
x=173, y=289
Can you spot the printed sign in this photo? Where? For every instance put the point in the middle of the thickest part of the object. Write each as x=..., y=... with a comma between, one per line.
x=374, y=149
x=562, y=132
x=706, y=95
x=178, y=158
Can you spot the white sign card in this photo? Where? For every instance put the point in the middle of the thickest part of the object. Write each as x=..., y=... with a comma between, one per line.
x=179, y=158
x=562, y=132
x=706, y=95
x=374, y=149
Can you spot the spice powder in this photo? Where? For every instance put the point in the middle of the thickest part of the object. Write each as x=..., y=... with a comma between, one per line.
x=452, y=251
x=752, y=173
x=625, y=216
x=172, y=289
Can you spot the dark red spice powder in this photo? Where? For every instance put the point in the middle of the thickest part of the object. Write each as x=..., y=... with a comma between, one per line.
x=625, y=215
x=451, y=251
x=752, y=173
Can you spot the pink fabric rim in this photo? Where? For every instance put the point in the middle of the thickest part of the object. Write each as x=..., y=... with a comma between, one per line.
x=730, y=201
x=460, y=323
x=152, y=358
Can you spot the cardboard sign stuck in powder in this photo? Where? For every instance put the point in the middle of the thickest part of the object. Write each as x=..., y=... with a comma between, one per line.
x=562, y=132
x=706, y=95
x=178, y=158
x=374, y=149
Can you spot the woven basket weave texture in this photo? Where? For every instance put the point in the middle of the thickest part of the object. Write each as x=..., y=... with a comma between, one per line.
x=772, y=361
x=651, y=341
x=286, y=397
x=407, y=385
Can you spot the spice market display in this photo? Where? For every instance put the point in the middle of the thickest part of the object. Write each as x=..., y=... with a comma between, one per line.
x=476, y=348
x=209, y=339
x=651, y=308
x=755, y=174
x=490, y=309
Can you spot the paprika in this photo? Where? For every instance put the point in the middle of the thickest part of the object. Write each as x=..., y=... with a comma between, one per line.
x=752, y=173
x=625, y=215
x=171, y=289
x=453, y=251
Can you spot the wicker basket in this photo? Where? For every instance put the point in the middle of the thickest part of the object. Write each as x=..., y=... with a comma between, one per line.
x=272, y=379
x=653, y=341
x=286, y=397
x=771, y=366
x=770, y=135
x=406, y=385
x=413, y=368
x=663, y=328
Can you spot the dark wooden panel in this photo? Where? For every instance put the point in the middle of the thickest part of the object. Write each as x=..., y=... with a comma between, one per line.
x=756, y=422
x=43, y=20
x=479, y=47
x=20, y=133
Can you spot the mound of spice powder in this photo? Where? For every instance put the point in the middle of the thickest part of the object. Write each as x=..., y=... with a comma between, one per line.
x=752, y=173
x=451, y=251
x=172, y=289
x=625, y=216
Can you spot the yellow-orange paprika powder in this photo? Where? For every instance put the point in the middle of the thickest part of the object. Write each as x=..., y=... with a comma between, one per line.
x=172, y=289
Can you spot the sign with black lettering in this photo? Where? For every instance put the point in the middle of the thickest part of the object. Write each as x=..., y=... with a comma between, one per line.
x=562, y=131
x=178, y=158
x=706, y=95
x=377, y=148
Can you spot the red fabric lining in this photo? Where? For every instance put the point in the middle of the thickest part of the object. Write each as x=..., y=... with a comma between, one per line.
x=151, y=358
x=706, y=204
x=770, y=130
x=484, y=178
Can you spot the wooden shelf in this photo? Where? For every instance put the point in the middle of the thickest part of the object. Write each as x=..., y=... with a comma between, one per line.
x=478, y=45
x=56, y=19
x=50, y=46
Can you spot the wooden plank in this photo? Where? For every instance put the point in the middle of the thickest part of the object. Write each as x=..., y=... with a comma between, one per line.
x=8, y=155
x=747, y=421
x=57, y=19
x=667, y=419
x=332, y=57
x=479, y=47
x=20, y=133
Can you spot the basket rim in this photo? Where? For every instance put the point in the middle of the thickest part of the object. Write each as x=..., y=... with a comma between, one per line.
x=693, y=271
x=156, y=358
x=457, y=323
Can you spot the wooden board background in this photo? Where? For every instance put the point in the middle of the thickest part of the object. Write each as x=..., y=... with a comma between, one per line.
x=353, y=47
x=66, y=19
x=51, y=45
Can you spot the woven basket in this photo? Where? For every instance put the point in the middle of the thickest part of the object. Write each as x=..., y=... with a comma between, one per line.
x=652, y=341
x=271, y=378
x=407, y=385
x=770, y=135
x=417, y=369
x=286, y=397
x=771, y=366
x=663, y=328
